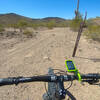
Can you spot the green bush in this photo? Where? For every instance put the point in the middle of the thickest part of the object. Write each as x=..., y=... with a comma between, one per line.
x=93, y=32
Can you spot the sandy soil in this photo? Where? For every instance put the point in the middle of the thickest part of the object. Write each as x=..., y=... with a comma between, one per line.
x=49, y=48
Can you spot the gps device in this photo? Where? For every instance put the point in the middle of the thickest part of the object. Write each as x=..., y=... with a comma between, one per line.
x=70, y=66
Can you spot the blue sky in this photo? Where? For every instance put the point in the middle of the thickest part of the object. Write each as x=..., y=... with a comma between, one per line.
x=49, y=8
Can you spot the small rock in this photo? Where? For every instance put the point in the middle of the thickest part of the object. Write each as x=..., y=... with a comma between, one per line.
x=45, y=57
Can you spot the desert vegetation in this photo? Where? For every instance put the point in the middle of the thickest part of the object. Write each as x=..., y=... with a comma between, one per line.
x=22, y=24
x=93, y=32
x=92, y=29
x=29, y=33
x=1, y=28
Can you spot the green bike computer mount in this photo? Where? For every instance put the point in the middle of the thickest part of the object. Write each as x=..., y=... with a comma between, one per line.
x=72, y=68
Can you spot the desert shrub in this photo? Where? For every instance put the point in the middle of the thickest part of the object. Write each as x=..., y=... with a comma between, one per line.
x=45, y=24
x=51, y=24
x=22, y=24
x=35, y=26
x=13, y=25
x=28, y=33
x=1, y=28
x=62, y=24
x=93, y=32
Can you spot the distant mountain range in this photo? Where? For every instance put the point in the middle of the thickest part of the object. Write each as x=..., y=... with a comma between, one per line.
x=12, y=18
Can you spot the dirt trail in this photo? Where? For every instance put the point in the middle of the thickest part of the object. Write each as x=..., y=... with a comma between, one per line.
x=49, y=49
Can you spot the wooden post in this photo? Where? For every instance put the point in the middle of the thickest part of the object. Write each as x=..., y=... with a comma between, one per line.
x=79, y=35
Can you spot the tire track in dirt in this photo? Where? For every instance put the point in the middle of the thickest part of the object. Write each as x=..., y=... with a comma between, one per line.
x=25, y=48
x=29, y=49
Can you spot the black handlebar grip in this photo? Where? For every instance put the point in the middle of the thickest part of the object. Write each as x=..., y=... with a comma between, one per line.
x=9, y=81
x=91, y=76
x=17, y=80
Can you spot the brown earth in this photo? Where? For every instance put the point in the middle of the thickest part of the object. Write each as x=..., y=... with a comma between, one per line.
x=49, y=48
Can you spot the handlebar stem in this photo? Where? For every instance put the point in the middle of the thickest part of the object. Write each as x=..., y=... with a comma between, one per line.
x=61, y=91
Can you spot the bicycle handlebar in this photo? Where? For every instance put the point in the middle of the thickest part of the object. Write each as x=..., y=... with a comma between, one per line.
x=48, y=78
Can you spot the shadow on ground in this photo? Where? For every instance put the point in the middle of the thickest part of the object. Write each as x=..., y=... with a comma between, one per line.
x=93, y=59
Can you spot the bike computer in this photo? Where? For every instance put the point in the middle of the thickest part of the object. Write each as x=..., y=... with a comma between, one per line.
x=70, y=66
